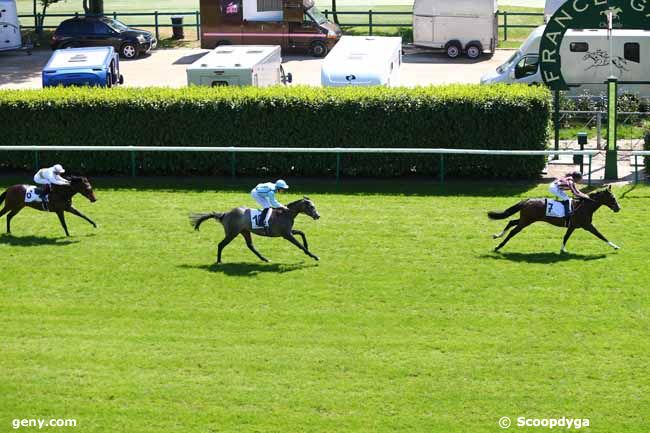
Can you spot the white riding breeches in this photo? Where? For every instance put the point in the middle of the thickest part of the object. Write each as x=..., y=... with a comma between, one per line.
x=41, y=180
x=260, y=199
x=555, y=190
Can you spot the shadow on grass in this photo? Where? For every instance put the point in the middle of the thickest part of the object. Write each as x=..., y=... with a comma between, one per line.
x=543, y=257
x=32, y=241
x=250, y=269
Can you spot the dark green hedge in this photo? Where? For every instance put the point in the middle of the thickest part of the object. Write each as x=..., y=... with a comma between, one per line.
x=469, y=116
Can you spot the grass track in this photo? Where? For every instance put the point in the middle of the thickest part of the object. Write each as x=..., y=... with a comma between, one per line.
x=409, y=322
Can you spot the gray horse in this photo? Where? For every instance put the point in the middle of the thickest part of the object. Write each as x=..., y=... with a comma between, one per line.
x=238, y=221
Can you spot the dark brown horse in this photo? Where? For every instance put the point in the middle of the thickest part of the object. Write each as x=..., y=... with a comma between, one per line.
x=238, y=221
x=534, y=210
x=60, y=200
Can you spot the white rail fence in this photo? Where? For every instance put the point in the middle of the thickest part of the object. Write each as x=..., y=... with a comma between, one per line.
x=636, y=154
x=338, y=151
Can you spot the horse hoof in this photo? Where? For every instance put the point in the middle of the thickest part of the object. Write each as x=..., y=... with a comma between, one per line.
x=316, y=258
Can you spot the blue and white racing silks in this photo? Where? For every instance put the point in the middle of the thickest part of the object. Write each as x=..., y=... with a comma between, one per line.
x=267, y=191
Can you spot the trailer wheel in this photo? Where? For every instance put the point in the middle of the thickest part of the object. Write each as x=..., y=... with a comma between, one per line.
x=318, y=49
x=473, y=51
x=453, y=49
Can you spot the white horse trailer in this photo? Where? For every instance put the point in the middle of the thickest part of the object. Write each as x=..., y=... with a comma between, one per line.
x=10, y=37
x=239, y=65
x=585, y=62
x=457, y=26
x=363, y=61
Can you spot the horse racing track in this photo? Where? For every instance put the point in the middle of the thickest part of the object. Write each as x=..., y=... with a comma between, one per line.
x=409, y=322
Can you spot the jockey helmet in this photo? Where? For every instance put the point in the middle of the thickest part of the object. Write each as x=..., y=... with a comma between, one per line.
x=576, y=175
x=58, y=169
x=280, y=184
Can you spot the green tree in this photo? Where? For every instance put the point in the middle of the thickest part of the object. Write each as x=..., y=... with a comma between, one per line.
x=95, y=7
x=41, y=19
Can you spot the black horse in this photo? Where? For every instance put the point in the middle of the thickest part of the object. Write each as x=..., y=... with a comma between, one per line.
x=60, y=200
x=238, y=221
x=534, y=210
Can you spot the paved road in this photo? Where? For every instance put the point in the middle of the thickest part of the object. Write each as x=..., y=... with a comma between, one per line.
x=167, y=68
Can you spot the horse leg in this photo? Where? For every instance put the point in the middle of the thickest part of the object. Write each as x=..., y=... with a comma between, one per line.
x=591, y=229
x=568, y=234
x=511, y=224
x=294, y=241
x=59, y=213
x=9, y=217
x=76, y=212
x=229, y=237
x=249, y=243
x=302, y=235
x=512, y=234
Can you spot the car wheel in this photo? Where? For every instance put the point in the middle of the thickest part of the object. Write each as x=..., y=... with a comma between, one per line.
x=453, y=50
x=318, y=49
x=68, y=45
x=473, y=52
x=129, y=51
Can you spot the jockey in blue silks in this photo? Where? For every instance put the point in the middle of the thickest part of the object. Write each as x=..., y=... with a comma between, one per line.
x=264, y=195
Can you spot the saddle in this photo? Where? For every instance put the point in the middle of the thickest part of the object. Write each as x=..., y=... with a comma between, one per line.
x=559, y=209
x=258, y=217
x=34, y=194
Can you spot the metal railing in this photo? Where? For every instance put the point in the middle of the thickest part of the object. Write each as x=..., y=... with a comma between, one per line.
x=636, y=154
x=597, y=120
x=503, y=23
x=156, y=23
x=371, y=23
x=338, y=151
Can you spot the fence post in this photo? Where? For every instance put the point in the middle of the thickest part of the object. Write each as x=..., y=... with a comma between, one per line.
x=198, y=25
x=442, y=168
x=36, y=161
x=233, y=164
x=599, y=126
x=338, y=168
x=505, y=25
x=326, y=12
x=133, y=171
x=114, y=15
x=155, y=17
x=370, y=21
x=636, y=168
x=589, y=178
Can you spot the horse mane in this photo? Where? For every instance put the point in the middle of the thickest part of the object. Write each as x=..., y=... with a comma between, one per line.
x=295, y=203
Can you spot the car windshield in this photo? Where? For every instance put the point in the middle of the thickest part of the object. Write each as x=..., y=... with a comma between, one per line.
x=117, y=25
x=509, y=62
x=316, y=15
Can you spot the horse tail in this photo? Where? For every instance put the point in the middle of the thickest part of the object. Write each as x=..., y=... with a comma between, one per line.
x=2, y=196
x=197, y=219
x=506, y=213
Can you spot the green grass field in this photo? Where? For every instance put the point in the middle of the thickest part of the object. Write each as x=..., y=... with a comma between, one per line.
x=408, y=323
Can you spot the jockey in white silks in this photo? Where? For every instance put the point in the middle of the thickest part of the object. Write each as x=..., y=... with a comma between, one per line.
x=49, y=176
x=264, y=195
x=567, y=183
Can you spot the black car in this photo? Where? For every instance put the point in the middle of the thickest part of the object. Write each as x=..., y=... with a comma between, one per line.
x=101, y=32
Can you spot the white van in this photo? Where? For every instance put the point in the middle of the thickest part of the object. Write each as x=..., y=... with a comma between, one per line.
x=585, y=62
x=10, y=37
x=363, y=61
x=457, y=26
x=239, y=65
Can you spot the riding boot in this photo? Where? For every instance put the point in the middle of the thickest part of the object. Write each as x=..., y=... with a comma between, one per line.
x=44, y=202
x=567, y=211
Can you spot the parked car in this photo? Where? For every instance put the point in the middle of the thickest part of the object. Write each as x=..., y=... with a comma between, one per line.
x=101, y=32
x=97, y=66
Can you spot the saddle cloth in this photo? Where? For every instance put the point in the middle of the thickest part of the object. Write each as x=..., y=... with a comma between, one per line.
x=555, y=208
x=257, y=222
x=31, y=194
